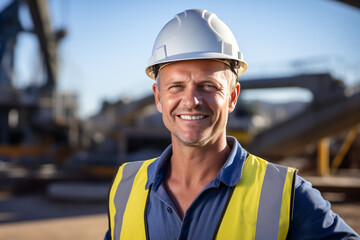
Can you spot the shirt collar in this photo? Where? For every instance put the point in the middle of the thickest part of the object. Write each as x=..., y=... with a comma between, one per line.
x=156, y=169
x=229, y=174
x=231, y=171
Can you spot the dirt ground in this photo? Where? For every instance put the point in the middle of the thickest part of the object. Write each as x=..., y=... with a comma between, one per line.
x=36, y=217
x=85, y=227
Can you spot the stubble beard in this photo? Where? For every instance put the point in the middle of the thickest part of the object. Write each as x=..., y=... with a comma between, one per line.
x=200, y=142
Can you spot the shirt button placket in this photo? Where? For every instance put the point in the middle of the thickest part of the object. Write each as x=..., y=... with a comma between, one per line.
x=186, y=225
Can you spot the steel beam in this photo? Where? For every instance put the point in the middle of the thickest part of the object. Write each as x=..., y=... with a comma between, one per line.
x=47, y=39
x=313, y=124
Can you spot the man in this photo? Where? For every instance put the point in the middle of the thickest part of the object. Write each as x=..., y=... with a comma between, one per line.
x=205, y=185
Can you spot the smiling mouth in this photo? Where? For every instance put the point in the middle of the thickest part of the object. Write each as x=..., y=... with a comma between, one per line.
x=188, y=117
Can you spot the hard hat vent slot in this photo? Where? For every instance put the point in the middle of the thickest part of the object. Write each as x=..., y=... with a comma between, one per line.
x=240, y=55
x=160, y=53
x=227, y=48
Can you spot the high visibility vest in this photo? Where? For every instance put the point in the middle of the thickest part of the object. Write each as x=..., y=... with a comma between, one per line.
x=259, y=206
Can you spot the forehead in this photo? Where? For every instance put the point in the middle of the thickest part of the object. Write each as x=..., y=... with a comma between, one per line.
x=193, y=69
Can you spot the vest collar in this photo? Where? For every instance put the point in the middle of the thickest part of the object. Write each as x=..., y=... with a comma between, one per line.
x=229, y=174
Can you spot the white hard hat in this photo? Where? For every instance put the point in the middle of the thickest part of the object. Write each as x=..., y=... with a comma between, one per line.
x=195, y=34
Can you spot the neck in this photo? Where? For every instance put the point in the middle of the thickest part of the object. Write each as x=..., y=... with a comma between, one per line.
x=197, y=165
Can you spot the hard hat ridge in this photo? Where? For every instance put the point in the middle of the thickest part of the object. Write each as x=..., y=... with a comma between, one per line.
x=195, y=34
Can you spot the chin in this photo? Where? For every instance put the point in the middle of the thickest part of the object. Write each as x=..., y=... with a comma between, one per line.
x=193, y=142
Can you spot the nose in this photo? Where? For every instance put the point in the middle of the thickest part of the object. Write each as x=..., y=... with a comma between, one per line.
x=191, y=98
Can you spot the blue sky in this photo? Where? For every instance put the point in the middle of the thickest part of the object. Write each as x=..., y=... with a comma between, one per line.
x=105, y=53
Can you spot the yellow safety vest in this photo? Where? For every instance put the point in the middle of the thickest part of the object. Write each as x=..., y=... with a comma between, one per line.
x=259, y=206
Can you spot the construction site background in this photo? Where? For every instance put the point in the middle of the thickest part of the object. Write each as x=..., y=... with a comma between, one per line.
x=55, y=168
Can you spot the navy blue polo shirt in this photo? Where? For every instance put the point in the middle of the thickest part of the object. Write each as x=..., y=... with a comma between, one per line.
x=313, y=218
x=201, y=218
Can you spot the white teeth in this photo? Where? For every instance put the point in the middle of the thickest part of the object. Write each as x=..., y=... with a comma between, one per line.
x=187, y=117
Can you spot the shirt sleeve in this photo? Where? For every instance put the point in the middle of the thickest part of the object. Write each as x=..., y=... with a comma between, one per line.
x=107, y=236
x=313, y=217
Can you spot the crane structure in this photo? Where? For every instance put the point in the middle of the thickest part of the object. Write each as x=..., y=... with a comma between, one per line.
x=38, y=123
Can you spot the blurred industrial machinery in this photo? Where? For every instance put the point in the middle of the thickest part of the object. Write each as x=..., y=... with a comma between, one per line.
x=333, y=109
x=332, y=117
x=38, y=123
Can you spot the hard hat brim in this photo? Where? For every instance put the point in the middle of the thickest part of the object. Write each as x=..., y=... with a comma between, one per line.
x=241, y=64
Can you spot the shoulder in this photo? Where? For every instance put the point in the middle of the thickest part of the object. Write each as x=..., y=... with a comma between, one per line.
x=308, y=199
x=313, y=217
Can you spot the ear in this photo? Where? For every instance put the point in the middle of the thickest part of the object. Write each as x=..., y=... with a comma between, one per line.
x=157, y=96
x=234, y=97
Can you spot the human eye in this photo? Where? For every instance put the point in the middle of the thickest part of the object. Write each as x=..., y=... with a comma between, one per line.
x=209, y=87
x=175, y=87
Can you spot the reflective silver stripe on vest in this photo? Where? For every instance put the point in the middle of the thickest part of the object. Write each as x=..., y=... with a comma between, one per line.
x=123, y=192
x=267, y=226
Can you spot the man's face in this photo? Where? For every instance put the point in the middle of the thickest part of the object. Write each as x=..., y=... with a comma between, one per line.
x=195, y=98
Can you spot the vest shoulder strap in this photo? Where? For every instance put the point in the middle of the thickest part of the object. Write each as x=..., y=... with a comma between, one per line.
x=260, y=205
x=127, y=201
